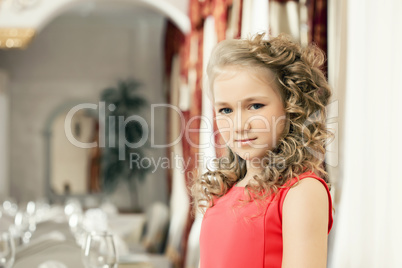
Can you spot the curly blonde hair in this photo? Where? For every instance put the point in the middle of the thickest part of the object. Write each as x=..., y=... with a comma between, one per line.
x=305, y=93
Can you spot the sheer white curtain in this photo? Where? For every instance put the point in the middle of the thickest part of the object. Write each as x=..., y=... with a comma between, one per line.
x=254, y=17
x=285, y=18
x=368, y=219
x=337, y=25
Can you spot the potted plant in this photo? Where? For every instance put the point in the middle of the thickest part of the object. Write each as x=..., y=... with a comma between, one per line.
x=123, y=101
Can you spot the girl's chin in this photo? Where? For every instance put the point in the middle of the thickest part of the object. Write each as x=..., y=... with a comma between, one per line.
x=248, y=156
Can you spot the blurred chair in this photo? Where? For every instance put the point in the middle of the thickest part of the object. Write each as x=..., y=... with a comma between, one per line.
x=156, y=227
x=149, y=252
x=129, y=227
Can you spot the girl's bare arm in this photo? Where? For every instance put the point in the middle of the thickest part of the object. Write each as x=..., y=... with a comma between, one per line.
x=305, y=225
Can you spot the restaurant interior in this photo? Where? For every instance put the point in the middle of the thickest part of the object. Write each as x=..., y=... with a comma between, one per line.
x=99, y=125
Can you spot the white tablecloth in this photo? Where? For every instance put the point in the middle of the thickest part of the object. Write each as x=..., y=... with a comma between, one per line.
x=69, y=253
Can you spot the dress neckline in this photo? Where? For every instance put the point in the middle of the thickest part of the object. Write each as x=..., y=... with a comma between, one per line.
x=238, y=188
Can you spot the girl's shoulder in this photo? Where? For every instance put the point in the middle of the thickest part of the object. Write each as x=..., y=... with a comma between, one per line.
x=307, y=186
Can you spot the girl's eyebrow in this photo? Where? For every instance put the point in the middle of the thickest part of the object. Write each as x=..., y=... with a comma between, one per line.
x=249, y=99
x=221, y=104
x=254, y=98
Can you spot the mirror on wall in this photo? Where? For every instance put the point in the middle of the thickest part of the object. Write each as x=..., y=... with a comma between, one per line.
x=73, y=169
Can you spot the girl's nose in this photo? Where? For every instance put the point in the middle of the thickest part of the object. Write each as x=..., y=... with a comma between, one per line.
x=241, y=122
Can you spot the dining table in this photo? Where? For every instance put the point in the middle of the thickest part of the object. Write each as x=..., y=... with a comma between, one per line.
x=53, y=245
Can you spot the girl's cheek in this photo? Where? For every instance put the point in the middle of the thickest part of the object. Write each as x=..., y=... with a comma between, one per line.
x=223, y=125
x=224, y=128
x=225, y=133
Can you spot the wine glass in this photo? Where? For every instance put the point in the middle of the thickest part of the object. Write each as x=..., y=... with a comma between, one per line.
x=100, y=251
x=7, y=250
x=25, y=225
x=77, y=228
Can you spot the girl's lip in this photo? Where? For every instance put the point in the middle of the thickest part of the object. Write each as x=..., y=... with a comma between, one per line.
x=246, y=140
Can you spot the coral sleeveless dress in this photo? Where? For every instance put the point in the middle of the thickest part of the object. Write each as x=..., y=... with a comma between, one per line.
x=246, y=236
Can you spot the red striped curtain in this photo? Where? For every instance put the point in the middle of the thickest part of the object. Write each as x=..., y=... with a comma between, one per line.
x=317, y=22
x=198, y=12
x=318, y=25
x=190, y=49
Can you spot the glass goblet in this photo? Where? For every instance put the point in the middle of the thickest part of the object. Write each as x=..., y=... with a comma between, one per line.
x=100, y=251
x=7, y=250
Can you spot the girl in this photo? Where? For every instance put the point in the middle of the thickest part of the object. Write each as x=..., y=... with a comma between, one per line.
x=268, y=203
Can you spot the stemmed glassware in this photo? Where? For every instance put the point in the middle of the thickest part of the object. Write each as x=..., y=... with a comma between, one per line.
x=7, y=250
x=77, y=228
x=9, y=207
x=25, y=225
x=99, y=251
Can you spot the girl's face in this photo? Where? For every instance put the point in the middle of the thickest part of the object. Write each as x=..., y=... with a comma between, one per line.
x=249, y=112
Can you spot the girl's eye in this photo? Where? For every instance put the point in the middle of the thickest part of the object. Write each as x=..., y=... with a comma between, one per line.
x=225, y=111
x=256, y=106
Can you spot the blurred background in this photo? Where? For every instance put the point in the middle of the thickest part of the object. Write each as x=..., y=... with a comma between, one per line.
x=81, y=81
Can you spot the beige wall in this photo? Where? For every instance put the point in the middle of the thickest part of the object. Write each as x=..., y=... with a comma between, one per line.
x=4, y=135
